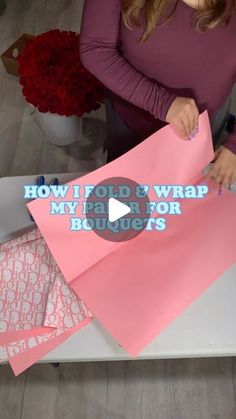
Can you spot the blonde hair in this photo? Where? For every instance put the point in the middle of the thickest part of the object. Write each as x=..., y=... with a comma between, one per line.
x=213, y=13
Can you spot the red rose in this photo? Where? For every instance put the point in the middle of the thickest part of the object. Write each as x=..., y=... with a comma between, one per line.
x=53, y=78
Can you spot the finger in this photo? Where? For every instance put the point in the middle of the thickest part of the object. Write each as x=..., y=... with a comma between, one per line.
x=187, y=124
x=181, y=129
x=213, y=172
x=194, y=120
x=219, y=178
x=227, y=180
x=195, y=117
x=190, y=121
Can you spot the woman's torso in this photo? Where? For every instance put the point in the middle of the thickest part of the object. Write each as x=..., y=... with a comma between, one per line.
x=201, y=65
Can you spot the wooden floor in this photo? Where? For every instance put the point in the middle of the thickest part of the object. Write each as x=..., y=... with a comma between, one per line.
x=164, y=389
x=170, y=389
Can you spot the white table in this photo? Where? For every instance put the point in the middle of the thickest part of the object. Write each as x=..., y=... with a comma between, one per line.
x=14, y=217
x=205, y=329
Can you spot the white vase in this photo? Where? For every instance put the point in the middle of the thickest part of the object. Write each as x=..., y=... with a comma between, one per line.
x=60, y=130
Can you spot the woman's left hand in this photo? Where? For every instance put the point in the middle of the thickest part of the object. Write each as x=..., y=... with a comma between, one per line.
x=223, y=170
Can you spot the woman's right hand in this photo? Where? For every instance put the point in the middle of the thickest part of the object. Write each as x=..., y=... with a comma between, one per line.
x=183, y=115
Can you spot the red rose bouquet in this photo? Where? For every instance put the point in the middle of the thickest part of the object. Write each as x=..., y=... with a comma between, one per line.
x=53, y=78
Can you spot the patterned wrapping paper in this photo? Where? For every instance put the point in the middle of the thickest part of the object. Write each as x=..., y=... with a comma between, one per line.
x=38, y=310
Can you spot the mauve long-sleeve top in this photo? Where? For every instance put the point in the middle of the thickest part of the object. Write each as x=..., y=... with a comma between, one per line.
x=145, y=78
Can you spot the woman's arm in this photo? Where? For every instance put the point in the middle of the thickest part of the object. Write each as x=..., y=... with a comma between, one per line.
x=98, y=52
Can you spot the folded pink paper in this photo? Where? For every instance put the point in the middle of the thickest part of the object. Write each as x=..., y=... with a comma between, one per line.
x=38, y=308
x=163, y=158
x=140, y=288
x=39, y=347
x=137, y=288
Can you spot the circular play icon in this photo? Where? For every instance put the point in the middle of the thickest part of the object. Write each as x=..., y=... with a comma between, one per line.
x=116, y=209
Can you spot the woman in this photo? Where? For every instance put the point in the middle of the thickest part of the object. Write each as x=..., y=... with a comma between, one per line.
x=164, y=61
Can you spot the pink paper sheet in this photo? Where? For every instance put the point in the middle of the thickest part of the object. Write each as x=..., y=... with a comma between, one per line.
x=137, y=288
x=38, y=309
x=154, y=161
x=140, y=288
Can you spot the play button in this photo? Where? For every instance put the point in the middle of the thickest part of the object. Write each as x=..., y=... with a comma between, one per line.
x=116, y=209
